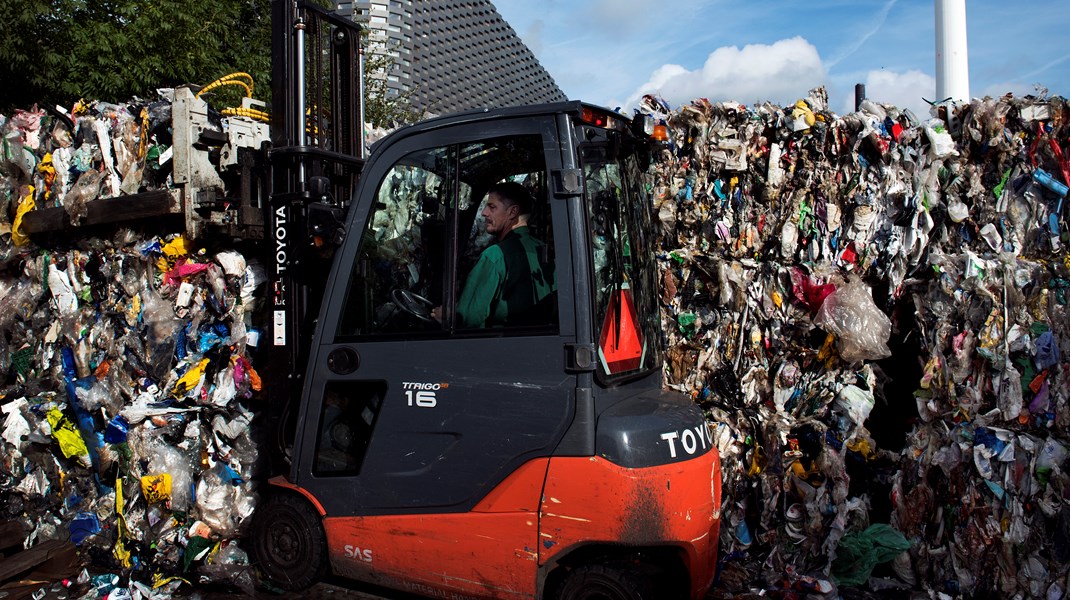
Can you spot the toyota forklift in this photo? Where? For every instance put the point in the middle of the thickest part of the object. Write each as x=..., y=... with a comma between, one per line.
x=541, y=459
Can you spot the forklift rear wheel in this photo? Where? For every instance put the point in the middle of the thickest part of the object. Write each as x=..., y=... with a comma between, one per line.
x=289, y=543
x=602, y=582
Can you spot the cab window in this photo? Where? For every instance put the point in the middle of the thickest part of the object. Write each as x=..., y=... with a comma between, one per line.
x=622, y=244
x=427, y=261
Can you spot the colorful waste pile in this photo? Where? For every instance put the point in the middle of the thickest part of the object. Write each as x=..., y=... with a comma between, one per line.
x=872, y=308
x=66, y=158
x=125, y=377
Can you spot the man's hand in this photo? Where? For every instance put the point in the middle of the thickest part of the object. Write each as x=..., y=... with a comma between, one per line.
x=436, y=313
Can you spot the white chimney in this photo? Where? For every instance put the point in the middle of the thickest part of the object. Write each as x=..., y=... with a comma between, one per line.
x=952, y=62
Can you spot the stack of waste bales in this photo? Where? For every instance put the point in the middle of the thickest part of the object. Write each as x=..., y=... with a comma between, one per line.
x=871, y=308
x=126, y=381
x=827, y=278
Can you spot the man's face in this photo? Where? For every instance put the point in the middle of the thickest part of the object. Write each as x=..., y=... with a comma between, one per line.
x=500, y=215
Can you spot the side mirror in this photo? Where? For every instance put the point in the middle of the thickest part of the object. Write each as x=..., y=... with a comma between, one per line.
x=643, y=125
x=320, y=189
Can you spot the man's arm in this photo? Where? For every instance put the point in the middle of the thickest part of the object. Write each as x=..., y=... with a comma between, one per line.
x=482, y=288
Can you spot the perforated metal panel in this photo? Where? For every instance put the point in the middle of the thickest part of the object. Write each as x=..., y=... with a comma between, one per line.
x=457, y=55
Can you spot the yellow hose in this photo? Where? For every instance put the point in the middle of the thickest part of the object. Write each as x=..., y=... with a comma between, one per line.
x=244, y=80
x=251, y=113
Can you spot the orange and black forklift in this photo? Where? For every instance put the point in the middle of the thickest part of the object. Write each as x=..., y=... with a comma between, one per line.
x=538, y=459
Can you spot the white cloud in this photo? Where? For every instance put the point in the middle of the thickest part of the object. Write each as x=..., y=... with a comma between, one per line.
x=904, y=90
x=781, y=72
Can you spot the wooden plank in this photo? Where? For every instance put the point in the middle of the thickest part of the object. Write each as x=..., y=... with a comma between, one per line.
x=13, y=566
x=99, y=212
x=62, y=562
x=12, y=535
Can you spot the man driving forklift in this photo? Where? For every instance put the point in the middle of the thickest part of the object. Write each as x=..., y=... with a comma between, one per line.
x=512, y=282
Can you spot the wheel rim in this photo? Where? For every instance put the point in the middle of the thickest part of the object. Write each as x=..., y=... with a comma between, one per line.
x=286, y=544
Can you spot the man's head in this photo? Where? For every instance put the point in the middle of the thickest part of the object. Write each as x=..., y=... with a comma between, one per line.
x=508, y=206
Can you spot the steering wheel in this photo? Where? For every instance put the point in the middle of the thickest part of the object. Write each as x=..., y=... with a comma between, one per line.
x=413, y=304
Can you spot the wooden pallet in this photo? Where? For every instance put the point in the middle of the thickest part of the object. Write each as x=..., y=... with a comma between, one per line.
x=25, y=571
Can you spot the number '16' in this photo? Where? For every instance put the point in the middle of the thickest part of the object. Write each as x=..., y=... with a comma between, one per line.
x=421, y=398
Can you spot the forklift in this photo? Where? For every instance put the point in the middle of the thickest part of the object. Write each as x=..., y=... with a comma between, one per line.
x=537, y=460
x=541, y=458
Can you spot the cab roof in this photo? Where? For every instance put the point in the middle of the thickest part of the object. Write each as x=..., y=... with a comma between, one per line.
x=573, y=107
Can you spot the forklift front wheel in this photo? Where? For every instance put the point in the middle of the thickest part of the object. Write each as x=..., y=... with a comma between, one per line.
x=289, y=543
x=603, y=582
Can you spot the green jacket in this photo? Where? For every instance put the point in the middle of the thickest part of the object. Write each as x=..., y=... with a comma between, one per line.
x=509, y=285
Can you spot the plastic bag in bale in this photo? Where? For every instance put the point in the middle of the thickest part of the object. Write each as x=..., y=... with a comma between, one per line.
x=861, y=328
x=162, y=328
x=860, y=551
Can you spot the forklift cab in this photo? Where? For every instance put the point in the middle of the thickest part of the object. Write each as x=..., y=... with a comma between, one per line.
x=535, y=458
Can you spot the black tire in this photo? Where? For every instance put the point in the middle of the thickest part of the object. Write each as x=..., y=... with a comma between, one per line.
x=603, y=582
x=288, y=542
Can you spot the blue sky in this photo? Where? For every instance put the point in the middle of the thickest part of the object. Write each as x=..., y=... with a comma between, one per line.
x=609, y=52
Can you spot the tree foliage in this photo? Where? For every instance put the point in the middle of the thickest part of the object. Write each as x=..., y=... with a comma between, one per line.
x=381, y=107
x=56, y=51
x=59, y=50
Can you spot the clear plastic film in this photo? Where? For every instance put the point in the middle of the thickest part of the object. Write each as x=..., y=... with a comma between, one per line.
x=162, y=328
x=861, y=329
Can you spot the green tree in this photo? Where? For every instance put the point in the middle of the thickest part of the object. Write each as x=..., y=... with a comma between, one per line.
x=56, y=51
x=381, y=107
x=113, y=50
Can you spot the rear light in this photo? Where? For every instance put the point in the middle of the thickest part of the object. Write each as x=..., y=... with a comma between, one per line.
x=593, y=117
x=604, y=119
x=660, y=133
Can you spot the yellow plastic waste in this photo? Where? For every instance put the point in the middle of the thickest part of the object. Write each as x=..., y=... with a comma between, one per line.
x=827, y=353
x=174, y=250
x=191, y=378
x=156, y=488
x=48, y=173
x=933, y=372
x=991, y=335
x=25, y=205
x=133, y=310
x=802, y=110
x=757, y=461
x=159, y=580
x=66, y=434
x=119, y=551
x=177, y=247
x=861, y=446
x=143, y=143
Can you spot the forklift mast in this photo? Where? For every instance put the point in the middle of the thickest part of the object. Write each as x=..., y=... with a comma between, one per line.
x=315, y=160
